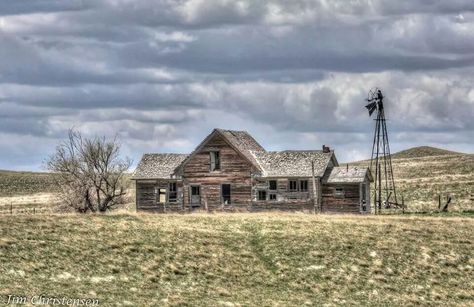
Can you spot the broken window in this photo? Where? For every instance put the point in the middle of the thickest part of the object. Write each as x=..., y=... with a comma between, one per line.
x=262, y=195
x=272, y=185
x=293, y=185
x=225, y=194
x=272, y=196
x=339, y=193
x=215, y=161
x=161, y=195
x=304, y=185
x=173, y=193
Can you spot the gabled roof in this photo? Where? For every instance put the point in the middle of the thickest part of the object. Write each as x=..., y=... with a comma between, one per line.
x=352, y=174
x=241, y=141
x=158, y=166
x=293, y=163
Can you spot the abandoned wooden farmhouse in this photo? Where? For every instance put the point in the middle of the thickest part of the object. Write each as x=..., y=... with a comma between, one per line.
x=230, y=170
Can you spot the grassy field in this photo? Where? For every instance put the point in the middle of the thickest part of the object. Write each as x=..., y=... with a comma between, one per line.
x=240, y=259
x=424, y=173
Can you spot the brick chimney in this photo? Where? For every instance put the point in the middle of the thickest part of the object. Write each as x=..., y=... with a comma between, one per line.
x=326, y=149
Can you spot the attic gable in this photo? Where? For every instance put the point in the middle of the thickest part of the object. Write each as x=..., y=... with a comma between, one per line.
x=241, y=141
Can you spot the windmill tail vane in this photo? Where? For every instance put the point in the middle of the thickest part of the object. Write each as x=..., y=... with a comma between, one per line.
x=371, y=107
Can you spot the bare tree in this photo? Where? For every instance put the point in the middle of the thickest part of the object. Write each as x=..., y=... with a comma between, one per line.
x=91, y=174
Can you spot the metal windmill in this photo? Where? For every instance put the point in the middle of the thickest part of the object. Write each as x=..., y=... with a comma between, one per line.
x=381, y=163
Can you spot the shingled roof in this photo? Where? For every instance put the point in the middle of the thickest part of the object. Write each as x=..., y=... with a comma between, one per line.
x=158, y=166
x=292, y=163
x=352, y=174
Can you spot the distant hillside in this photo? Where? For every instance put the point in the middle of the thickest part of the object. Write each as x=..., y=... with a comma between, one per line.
x=423, y=151
x=423, y=173
x=25, y=183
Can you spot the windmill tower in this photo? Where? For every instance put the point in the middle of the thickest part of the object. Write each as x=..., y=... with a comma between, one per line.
x=381, y=162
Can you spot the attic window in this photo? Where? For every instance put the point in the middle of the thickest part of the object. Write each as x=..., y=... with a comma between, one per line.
x=339, y=193
x=215, y=161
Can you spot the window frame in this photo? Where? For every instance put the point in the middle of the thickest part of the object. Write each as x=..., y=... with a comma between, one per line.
x=300, y=185
x=172, y=189
x=339, y=192
x=214, y=160
x=270, y=185
x=197, y=187
x=161, y=192
x=264, y=192
x=296, y=185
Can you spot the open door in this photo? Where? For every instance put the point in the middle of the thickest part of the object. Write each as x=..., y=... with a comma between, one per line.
x=195, y=198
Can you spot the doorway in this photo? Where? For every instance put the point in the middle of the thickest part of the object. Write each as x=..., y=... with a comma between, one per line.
x=195, y=198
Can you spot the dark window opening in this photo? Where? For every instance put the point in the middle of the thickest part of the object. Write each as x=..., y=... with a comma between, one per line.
x=364, y=193
x=225, y=191
x=215, y=161
x=339, y=193
x=304, y=185
x=262, y=195
x=272, y=196
x=173, y=193
x=195, y=190
x=293, y=186
x=272, y=185
x=364, y=197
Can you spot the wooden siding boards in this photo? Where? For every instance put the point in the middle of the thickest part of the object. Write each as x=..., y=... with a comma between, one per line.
x=349, y=203
x=148, y=200
x=234, y=170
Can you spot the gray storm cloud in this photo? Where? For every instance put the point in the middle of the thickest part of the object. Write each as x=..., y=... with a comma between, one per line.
x=161, y=74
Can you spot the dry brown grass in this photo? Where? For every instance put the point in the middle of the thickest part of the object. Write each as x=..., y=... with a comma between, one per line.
x=240, y=259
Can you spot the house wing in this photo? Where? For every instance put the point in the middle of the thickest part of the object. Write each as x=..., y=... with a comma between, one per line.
x=348, y=174
x=158, y=166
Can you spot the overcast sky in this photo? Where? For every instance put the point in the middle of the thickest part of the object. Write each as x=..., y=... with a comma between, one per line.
x=161, y=74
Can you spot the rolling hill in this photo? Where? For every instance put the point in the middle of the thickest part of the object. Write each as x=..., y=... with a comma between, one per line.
x=14, y=183
x=424, y=173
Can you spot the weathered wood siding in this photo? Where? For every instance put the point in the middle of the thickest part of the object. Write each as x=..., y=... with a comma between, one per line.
x=234, y=170
x=283, y=193
x=148, y=200
x=350, y=203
